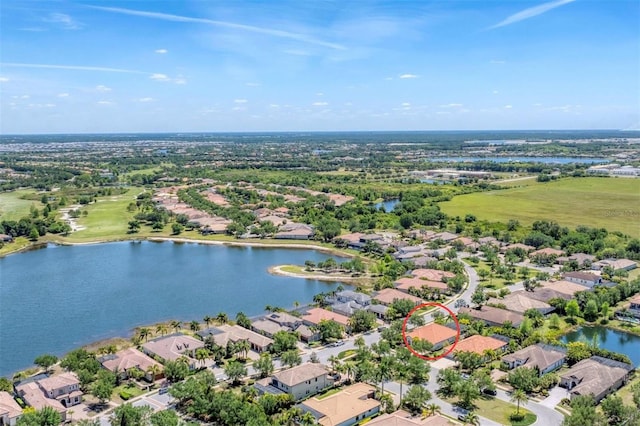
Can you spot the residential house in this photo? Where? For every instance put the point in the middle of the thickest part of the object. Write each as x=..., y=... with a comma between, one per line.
x=479, y=344
x=63, y=387
x=302, y=381
x=345, y=408
x=583, y=278
x=634, y=306
x=267, y=328
x=353, y=296
x=379, y=310
x=225, y=333
x=595, y=376
x=295, y=231
x=307, y=334
x=10, y=411
x=275, y=220
x=616, y=264
x=352, y=240
x=544, y=358
x=173, y=347
x=387, y=296
x=489, y=241
x=493, y=316
x=524, y=247
x=555, y=290
x=548, y=251
x=447, y=237
x=403, y=418
x=520, y=302
x=314, y=315
x=4, y=238
x=347, y=308
x=436, y=334
x=432, y=274
x=32, y=394
x=407, y=283
x=582, y=259
x=284, y=319
x=128, y=359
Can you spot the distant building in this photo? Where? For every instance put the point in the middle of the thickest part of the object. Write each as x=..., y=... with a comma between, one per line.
x=583, y=278
x=595, y=376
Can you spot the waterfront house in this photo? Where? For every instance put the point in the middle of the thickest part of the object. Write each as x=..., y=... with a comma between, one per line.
x=225, y=333
x=353, y=296
x=479, y=344
x=302, y=381
x=386, y=296
x=63, y=387
x=583, y=278
x=436, y=334
x=267, y=328
x=173, y=347
x=520, y=302
x=595, y=376
x=129, y=359
x=493, y=316
x=555, y=290
x=295, y=231
x=347, y=308
x=634, y=306
x=32, y=394
x=544, y=358
x=4, y=238
x=345, y=408
x=10, y=411
x=314, y=315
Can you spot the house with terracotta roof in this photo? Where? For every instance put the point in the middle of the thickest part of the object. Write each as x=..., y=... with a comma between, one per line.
x=515, y=246
x=407, y=283
x=129, y=359
x=386, y=296
x=314, y=315
x=432, y=274
x=347, y=407
x=436, y=334
x=595, y=376
x=478, y=344
x=544, y=358
x=493, y=316
x=583, y=278
x=225, y=333
x=63, y=387
x=173, y=347
x=404, y=418
x=10, y=411
x=545, y=256
x=520, y=302
x=34, y=396
x=302, y=381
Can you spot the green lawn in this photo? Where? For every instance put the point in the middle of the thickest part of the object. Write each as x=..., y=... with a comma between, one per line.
x=498, y=411
x=611, y=203
x=14, y=206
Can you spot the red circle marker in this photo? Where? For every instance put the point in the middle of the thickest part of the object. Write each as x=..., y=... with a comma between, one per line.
x=404, y=331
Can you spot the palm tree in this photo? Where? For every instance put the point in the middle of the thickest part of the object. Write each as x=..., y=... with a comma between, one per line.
x=242, y=347
x=154, y=369
x=175, y=324
x=350, y=368
x=144, y=333
x=194, y=325
x=359, y=342
x=472, y=419
x=222, y=318
x=269, y=308
x=161, y=328
x=207, y=320
x=202, y=354
x=430, y=410
x=334, y=361
x=519, y=397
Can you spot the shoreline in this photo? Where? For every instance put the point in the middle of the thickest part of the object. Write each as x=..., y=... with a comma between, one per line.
x=268, y=244
x=278, y=270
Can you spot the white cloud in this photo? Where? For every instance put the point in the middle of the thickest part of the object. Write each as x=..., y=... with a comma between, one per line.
x=161, y=51
x=3, y=79
x=64, y=21
x=105, y=103
x=63, y=95
x=240, y=101
x=451, y=106
x=102, y=88
x=70, y=67
x=41, y=105
x=145, y=99
x=531, y=12
x=225, y=24
x=408, y=76
x=166, y=79
x=159, y=77
x=320, y=103
x=508, y=106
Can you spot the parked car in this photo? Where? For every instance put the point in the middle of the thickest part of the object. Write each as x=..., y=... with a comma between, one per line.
x=488, y=391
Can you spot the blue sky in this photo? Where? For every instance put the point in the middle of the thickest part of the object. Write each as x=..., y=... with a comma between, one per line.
x=153, y=66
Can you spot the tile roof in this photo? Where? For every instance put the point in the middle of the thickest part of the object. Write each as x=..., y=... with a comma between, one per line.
x=9, y=406
x=434, y=333
x=406, y=283
x=301, y=373
x=173, y=346
x=547, y=251
x=34, y=396
x=388, y=295
x=493, y=315
x=315, y=315
x=236, y=333
x=595, y=375
x=519, y=301
x=565, y=287
x=403, y=418
x=479, y=344
x=59, y=381
x=432, y=274
x=268, y=326
x=350, y=402
x=587, y=276
x=539, y=356
x=128, y=358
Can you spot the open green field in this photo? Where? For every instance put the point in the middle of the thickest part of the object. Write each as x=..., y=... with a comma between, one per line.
x=611, y=203
x=498, y=411
x=14, y=206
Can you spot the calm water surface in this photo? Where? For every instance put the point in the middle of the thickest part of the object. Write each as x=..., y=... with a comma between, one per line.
x=56, y=299
x=606, y=338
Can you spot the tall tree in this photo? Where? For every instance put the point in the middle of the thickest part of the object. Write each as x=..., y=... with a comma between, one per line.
x=519, y=397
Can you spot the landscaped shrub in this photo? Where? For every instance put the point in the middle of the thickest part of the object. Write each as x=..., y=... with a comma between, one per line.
x=516, y=417
x=125, y=395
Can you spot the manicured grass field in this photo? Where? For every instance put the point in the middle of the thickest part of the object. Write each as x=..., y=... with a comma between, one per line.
x=612, y=203
x=499, y=411
x=14, y=206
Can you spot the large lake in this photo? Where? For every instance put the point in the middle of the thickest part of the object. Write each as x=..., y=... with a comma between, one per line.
x=55, y=299
x=606, y=338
